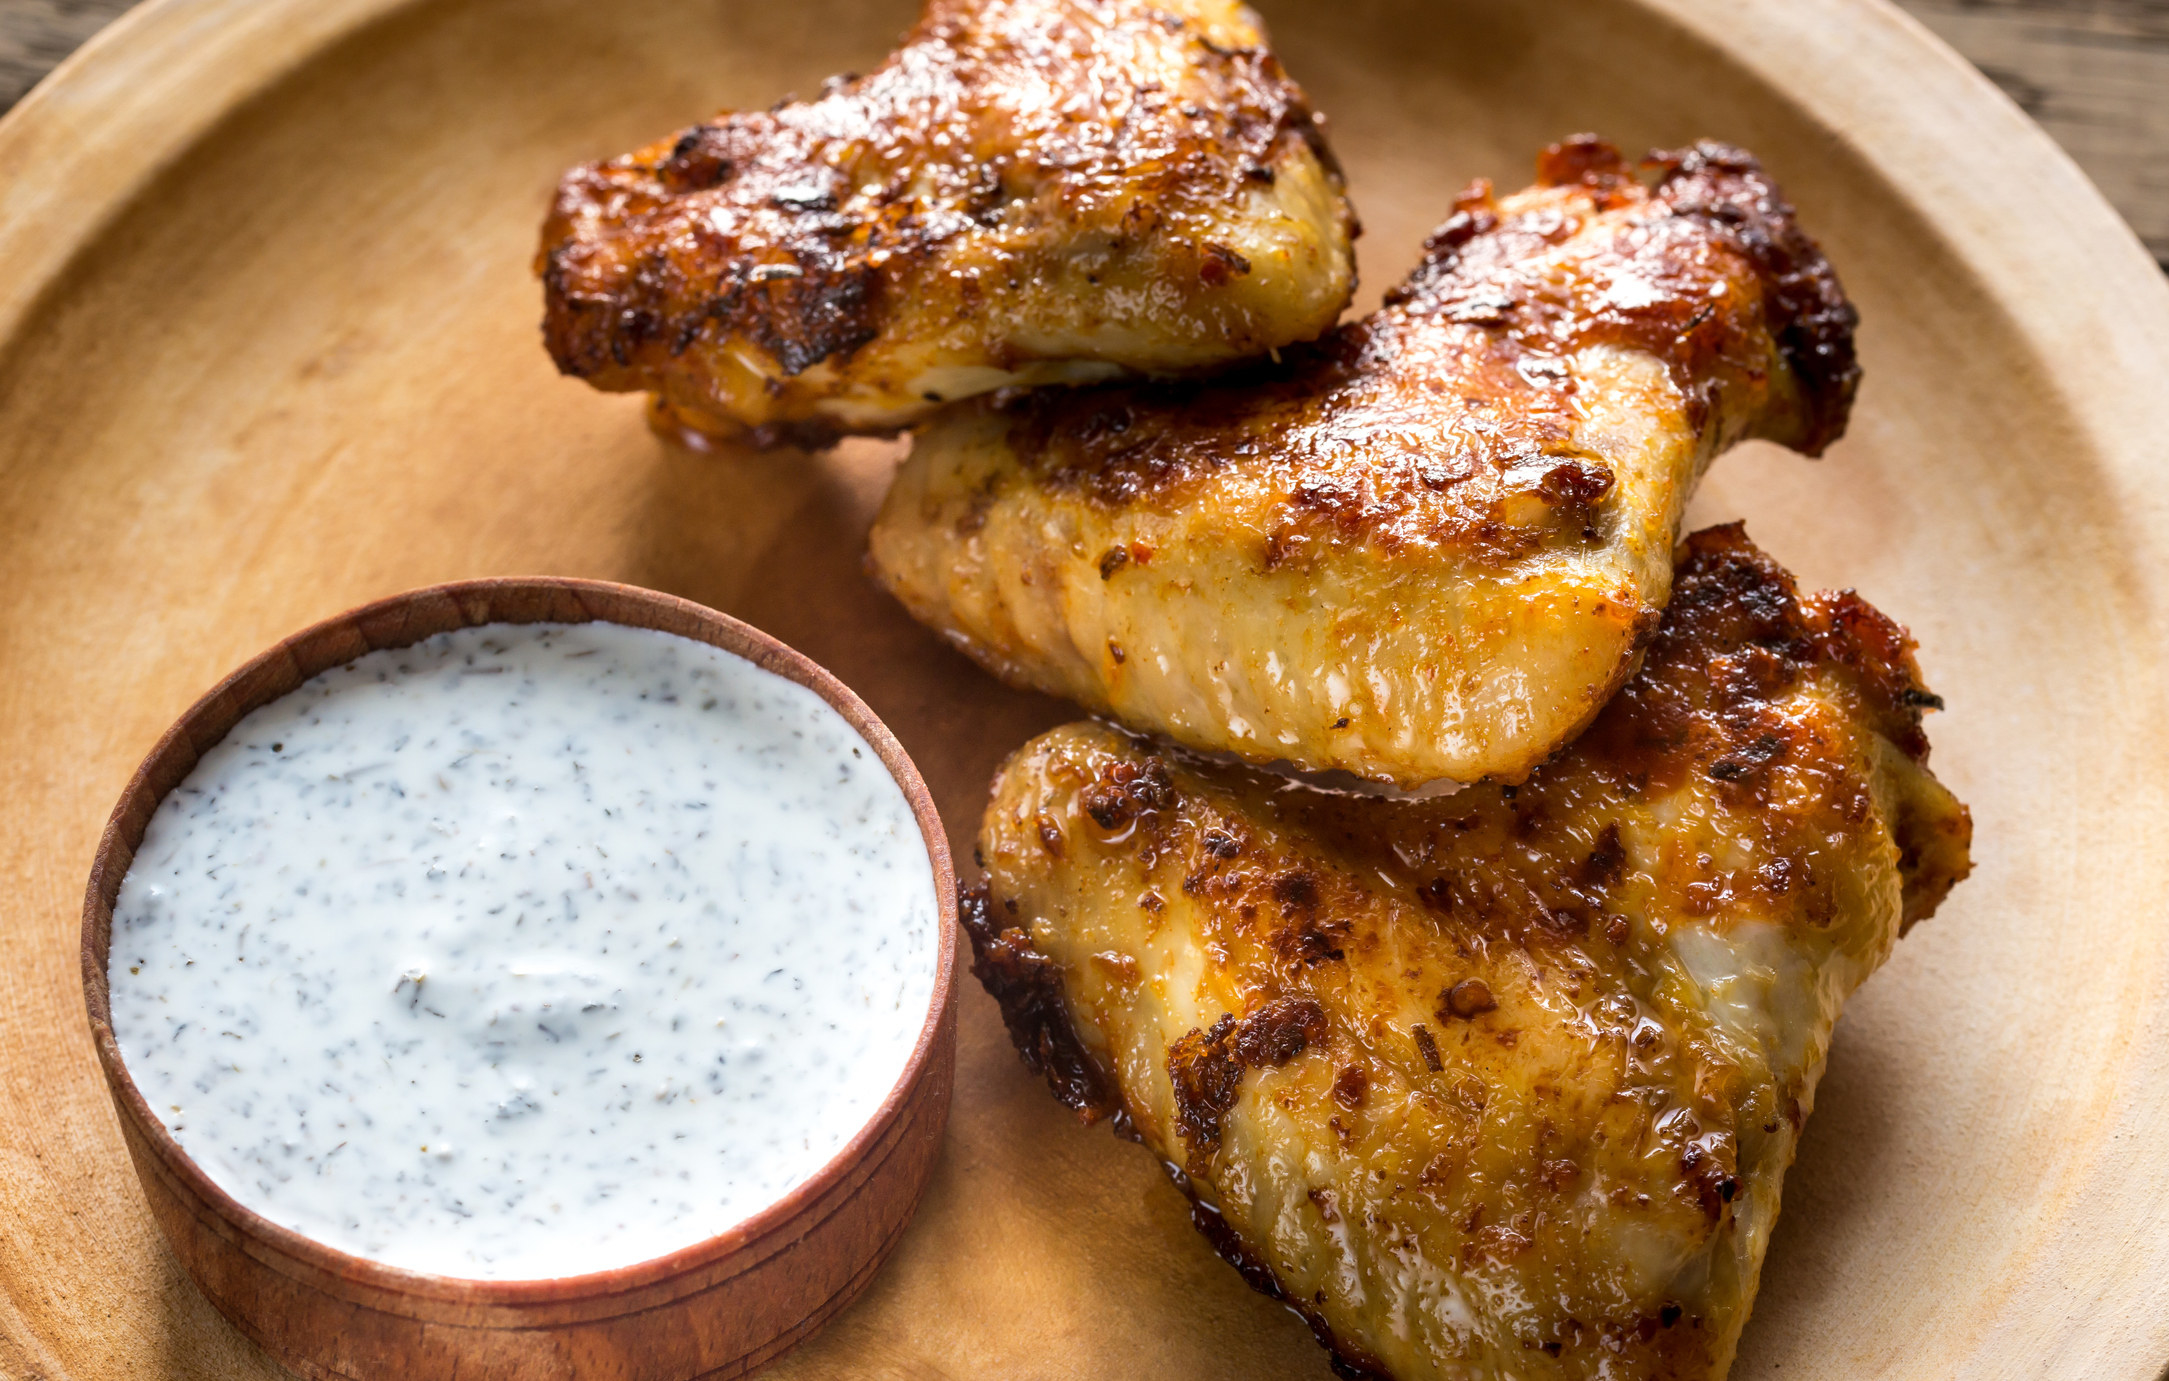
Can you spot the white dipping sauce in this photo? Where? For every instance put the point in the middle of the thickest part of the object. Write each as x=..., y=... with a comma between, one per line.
x=526, y=951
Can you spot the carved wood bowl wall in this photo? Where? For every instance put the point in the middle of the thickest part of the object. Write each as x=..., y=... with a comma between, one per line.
x=715, y=1309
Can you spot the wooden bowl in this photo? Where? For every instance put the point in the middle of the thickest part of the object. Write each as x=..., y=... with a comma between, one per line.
x=268, y=346
x=716, y=1309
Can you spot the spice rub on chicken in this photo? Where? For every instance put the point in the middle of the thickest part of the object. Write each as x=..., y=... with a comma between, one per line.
x=1430, y=546
x=1505, y=1083
x=1026, y=192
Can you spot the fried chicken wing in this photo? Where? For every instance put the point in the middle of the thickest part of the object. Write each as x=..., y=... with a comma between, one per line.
x=1026, y=192
x=1432, y=546
x=1506, y=1083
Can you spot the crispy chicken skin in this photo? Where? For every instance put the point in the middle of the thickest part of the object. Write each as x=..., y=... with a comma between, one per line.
x=1506, y=1083
x=1026, y=192
x=1431, y=546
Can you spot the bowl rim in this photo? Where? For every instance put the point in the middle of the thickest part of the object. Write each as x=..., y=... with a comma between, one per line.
x=242, y=691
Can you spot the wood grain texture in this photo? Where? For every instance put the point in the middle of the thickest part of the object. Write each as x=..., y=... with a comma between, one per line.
x=2093, y=72
x=268, y=349
x=37, y=34
x=715, y=1310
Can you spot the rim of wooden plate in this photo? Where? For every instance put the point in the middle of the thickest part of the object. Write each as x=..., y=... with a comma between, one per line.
x=402, y=620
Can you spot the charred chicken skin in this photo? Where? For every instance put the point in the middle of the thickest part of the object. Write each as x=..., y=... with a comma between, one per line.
x=1506, y=1083
x=1431, y=546
x=1026, y=192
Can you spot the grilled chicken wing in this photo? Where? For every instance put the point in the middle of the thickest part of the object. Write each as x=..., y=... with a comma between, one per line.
x=1432, y=546
x=1027, y=192
x=1503, y=1084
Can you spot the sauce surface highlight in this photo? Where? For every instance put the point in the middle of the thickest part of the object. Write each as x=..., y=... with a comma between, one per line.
x=526, y=951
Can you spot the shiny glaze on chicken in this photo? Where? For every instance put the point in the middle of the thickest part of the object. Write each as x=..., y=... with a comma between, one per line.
x=1431, y=546
x=1506, y=1083
x=1026, y=192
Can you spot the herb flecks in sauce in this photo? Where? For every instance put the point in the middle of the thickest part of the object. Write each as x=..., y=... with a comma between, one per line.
x=525, y=951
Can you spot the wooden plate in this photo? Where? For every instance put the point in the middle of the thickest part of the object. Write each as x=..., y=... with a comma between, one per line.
x=268, y=349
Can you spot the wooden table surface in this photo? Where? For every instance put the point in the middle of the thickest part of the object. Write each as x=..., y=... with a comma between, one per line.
x=2095, y=73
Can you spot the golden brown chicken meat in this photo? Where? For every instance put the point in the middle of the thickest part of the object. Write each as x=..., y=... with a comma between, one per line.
x=1433, y=545
x=1506, y=1083
x=1026, y=192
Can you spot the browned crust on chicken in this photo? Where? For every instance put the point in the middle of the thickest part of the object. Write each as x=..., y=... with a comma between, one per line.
x=1491, y=1000
x=1027, y=986
x=1428, y=547
x=1349, y=1362
x=1809, y=314
x=1706, y=269
x=1737, y=638
x=905, y=199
